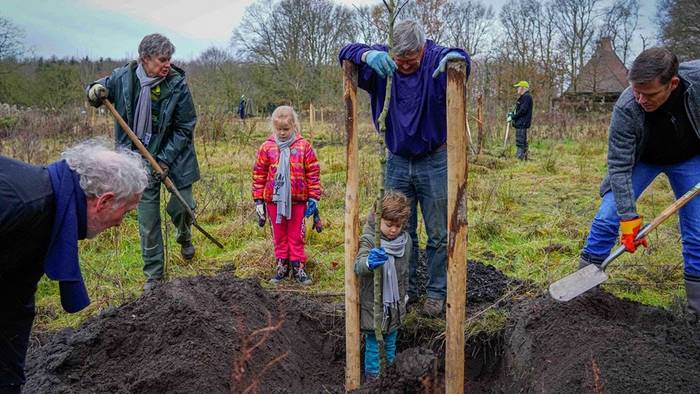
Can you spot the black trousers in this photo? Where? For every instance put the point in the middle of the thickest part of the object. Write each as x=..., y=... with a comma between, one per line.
x=16, y=318
x=521, y=143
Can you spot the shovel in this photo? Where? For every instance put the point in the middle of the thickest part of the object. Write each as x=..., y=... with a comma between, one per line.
x=592, y=275
x=168, y=183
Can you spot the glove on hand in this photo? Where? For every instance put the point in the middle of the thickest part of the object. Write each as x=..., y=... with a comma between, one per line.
x=318, y=224
x=381, y=63
x=310, y=208
x=449, y=56
x=510, y=115
x=630, y=228
x=166, y=171
x=96, y=94
x=376, y=258
x=260, y=211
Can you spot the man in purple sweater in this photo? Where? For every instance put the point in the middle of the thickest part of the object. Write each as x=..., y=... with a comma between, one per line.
x=416, y=135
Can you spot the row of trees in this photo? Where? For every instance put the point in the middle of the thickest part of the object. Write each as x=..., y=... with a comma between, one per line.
x=285, y=51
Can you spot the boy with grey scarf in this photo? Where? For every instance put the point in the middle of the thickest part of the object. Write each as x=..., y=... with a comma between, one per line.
x=392, y=257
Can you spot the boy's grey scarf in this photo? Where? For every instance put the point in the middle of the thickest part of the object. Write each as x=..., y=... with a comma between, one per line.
x=390, y=281
x=143, y=124
x=282, y=193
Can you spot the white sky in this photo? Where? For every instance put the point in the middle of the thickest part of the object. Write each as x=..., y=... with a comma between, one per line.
x=113, y=28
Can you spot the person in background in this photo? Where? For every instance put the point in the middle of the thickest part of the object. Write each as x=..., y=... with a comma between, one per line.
x=416, y=136
x=521, y=118
x=655, y=128
x=152, y=96
x=393, y=258
x=287, y=187
x=44, y=211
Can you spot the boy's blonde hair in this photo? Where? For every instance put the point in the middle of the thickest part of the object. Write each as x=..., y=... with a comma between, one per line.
x=395, y=207
x=285, y=112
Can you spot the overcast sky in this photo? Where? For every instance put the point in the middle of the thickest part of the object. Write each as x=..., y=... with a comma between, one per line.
x=113, y=28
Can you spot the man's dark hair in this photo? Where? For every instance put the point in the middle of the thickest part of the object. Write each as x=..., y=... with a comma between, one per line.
x=653, y=63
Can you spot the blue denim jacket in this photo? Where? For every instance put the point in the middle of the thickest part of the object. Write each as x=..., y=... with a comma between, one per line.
x=627, y=135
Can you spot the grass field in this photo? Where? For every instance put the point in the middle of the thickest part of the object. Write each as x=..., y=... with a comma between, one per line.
x=529, y=219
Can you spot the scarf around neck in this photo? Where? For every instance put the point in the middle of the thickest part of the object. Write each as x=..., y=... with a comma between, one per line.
x=390, y=281
x=282, y=192
x=70, y=224
x=143, y=124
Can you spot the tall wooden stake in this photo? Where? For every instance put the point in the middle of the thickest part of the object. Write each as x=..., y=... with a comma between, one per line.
x=456, y=225
x=352, y=230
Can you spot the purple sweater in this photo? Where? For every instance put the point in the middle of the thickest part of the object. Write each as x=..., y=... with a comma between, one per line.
x=417, y=121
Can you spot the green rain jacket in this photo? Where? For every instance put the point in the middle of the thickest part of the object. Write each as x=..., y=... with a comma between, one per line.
x=174, y=120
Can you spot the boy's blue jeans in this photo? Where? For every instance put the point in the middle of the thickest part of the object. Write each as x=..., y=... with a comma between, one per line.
x=682, y=176
x=372, y=351
x=424, y=182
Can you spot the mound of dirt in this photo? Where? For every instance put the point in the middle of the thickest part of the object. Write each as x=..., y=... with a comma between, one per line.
x=599, y=343
x=200, y=334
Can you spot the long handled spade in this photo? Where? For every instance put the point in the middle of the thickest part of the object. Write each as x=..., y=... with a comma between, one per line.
x=592, y=275
x=168, y=183
x=505, y=140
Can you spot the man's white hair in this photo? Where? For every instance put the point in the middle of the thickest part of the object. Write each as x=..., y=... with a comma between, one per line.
x=408, y=37
x=102, y=169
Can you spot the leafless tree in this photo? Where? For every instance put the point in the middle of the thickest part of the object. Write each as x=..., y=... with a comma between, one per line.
x=679, y=27
x=432, y=15
x=371, y=24
x=11, y=39
x=621, y=20
x=576, y=22
x=469, y=23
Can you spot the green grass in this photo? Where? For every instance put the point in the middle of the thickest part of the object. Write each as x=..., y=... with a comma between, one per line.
x=529, y=219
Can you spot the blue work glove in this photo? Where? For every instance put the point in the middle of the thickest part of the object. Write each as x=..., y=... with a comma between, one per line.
x=310, y=208
x=381, y=63
x=376, y=258
x=449, y=56
x=509, y=118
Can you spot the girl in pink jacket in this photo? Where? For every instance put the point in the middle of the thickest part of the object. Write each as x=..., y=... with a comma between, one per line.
x=287, y=187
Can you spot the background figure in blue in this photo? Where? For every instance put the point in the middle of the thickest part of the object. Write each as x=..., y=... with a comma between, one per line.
x=152, y=96
x=44, y=211
x=655, y=128
x=521, y=118
x=416, y=133
x=241, y=107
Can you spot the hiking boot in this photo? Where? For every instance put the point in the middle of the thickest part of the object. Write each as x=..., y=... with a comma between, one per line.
x=151, y=283
x=281, y=272
x=187, y=250
x=433, y=307
x=300, y=274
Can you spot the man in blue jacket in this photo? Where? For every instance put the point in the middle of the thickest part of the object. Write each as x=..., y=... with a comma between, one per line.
x=44, y=211
x=522, y=118
x=416, y=134
x=655, y=128
x=152, y=96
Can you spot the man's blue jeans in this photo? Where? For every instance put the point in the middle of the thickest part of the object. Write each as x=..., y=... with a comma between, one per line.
x=424, y=182
x=682, y=176
x=372, y=352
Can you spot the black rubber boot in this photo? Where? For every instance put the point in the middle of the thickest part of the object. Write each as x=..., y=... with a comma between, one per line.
x=187, y=250
x=692, y=292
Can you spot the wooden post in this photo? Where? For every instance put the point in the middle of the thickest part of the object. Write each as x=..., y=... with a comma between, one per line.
x=352, y=230
x=479, y=122
x=456, y=226
x=312, y=115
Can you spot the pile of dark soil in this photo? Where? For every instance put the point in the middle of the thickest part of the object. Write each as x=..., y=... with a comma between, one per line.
x=599, y=343
x=198, y=335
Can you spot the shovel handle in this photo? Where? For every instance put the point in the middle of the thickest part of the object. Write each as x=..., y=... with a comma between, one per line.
x=152, y=161
x=660, y=218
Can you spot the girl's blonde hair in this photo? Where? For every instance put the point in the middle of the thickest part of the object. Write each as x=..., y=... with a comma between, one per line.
x=285, y=112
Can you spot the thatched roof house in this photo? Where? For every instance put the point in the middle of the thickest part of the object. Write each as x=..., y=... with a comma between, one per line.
x=601, y=80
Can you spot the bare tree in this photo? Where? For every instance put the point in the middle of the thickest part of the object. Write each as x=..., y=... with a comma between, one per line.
x=432, y=15
x=370, y=24
x=468, y=25
x=621, y=20
x=11, y=39
x=680, y=30
x=576, y=25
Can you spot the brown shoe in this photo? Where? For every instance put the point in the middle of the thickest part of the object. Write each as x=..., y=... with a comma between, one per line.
x=433, y=307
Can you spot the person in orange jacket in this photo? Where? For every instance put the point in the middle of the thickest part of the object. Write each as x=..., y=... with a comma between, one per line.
x=287, y=187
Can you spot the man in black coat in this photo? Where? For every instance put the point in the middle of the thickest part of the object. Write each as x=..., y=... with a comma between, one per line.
x=521, y=118
x=44, y=211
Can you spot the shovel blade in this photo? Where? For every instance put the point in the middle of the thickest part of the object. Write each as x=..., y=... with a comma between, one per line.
x=577, y=283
